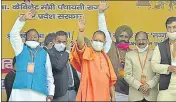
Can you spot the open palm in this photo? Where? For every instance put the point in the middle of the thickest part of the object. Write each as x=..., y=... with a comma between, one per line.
x=103, y=6
x=29, y=15
x=82, y=23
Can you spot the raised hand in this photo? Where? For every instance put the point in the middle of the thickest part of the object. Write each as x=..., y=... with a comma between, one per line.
x=82, y=23
x=28, y=16
x=72, y=42
x=103, y=6
x=28, y=1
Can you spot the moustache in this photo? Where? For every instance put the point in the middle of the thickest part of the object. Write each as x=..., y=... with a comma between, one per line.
x=141, y=43
x=123, y=41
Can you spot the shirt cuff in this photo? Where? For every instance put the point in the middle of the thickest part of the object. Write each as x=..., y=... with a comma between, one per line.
x=137, y=85
x=166, y=69
x=51, y=91
x=20, y=23
x=150, y=82
x=80, y=50
x=101, y=14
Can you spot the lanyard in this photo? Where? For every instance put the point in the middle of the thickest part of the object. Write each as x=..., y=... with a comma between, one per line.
x=142, y=67
x=172, y=51
x=13, y=71
x=32, y=54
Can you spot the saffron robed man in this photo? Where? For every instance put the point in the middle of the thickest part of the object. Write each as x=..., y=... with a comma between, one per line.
x=34, y=79
x=97, y=75
x=164, y=63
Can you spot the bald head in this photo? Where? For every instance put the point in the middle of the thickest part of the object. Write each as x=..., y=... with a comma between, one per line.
x=32, y=35
x=99, y=36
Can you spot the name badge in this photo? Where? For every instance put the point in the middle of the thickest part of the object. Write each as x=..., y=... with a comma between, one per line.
x=121, y=72
x=143, y=79
x=30, y=68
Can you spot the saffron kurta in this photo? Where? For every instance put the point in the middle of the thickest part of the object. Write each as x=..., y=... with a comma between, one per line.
x=97, y=74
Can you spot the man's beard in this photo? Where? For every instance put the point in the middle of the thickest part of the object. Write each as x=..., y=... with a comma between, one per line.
x=121, y=41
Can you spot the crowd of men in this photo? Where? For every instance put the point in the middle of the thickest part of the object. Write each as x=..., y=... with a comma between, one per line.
x=93, y=70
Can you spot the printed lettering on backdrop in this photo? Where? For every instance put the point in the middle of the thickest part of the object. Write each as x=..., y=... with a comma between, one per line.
x=52, y=16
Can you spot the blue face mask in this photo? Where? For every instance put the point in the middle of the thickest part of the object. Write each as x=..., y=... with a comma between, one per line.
x=97, y=46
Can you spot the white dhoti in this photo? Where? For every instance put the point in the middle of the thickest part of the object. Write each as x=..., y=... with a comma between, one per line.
x=26, y=95
x=170, y=93
x=120, y=97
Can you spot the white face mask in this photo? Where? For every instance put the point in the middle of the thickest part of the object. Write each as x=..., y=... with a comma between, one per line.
x=172, y=36
x=97, y=46
x=60, y=47
x=143, y=49
x=32, y=44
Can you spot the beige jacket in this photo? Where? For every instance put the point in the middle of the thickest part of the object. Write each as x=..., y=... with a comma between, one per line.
x=133, y=72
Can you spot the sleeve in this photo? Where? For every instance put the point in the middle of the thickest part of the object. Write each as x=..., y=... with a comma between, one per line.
x=15, y=38
x=103, y=27
x=78, y=55
x=50, y=79
x=152, y=83
x=156, y=59
x=128, y=74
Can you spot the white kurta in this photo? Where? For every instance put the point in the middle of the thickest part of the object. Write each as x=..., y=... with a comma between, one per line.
x=103, y=27
x=170, y=93
x=28, y=94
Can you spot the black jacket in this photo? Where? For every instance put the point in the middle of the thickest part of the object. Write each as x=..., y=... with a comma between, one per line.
x=8, y=82
x=45, y=48
x=60, y=72
x=164, y=49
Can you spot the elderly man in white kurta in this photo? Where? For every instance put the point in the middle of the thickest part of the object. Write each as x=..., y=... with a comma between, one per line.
x=34, y=78
x=138, y=71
